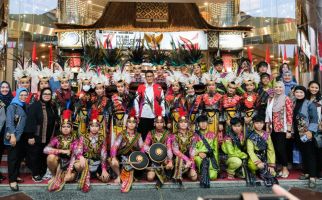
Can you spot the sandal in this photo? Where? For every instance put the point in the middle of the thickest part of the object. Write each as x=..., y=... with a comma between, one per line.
x=285, y=175
x=14, y=186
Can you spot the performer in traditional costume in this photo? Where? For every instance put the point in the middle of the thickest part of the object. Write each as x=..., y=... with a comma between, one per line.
x=220, y=74
x=99, y=102
x=234, y=146
x=261, y=152
x=174, y=99
x=249, y=98
x=159, y=135
x=183, y=147
x=64, y=96
x=121, y=104
x=43, y=77
x=192, y=100
x=127, y=142
x=83, y=103
x=211, y=102
x=94, y=152
x=206, y=152
x=23, y=76
x=149, y=103
x=62, y=153
x=264, y=91
x=230, y=105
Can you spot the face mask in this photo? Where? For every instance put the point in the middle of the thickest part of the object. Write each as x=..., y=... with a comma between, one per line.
x=86, y=88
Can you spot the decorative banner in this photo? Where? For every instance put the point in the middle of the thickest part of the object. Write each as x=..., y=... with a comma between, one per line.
x=231, y=41
x=125, y=39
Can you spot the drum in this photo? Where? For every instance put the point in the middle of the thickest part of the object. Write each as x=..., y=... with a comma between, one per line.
x=158, y=152
x=138, y=160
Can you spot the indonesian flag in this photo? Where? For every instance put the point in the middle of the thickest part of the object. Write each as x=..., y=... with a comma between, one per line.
x=249, y=54
x=268, y=60
x=34, y=53
x=50, y=55
x=285, y=56
x=296, y=57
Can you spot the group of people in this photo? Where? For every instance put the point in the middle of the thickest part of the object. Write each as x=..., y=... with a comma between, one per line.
x=213, y=124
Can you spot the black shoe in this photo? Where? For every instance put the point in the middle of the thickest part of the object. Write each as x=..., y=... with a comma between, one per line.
x=14, y=186
x=37, y=179
x=2, y=177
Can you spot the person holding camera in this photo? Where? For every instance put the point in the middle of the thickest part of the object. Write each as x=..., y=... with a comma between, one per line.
x=305, y=118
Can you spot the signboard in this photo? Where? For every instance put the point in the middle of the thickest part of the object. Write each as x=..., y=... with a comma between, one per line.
x=126, y=39
x=230, y=41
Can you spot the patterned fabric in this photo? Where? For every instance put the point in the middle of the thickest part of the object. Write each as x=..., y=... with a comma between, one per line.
x=282, y=117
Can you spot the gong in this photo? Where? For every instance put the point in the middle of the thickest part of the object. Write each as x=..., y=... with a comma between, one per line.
x=138, y=160
x=158, y=152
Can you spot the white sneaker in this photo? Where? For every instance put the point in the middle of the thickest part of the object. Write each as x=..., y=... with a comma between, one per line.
x=47, y=176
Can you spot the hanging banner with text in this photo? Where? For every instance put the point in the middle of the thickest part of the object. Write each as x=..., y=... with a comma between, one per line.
x=126, y=39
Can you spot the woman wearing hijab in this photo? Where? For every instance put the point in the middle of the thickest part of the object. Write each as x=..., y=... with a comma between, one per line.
x=41, y=118
x=279, y=113
x=284, y=68
x=15, y=123
x=288, y=82
x=5, y=99
x=305, y=125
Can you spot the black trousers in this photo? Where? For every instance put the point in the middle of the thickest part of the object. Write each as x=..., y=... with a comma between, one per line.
x=14, y=160
x=280, y=142
x=2, y=146
x=319, y=160
x=37, y=159
x=309, y=157
x=145, y=125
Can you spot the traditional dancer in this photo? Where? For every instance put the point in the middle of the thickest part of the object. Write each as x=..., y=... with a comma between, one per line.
x=94, y=152
x=211, y=102
x=183, y=147
x=127, y=142
x=62, y=153
x=174, y=99
x=234, y=146
x=162, y=136
x=121, y=104
x=206, y=152
x=261, y=152
x=64, y=96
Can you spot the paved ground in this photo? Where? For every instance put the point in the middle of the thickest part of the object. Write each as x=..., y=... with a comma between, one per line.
x=146, y=191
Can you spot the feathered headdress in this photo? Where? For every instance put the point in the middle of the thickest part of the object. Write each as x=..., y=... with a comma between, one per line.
x=194, y=53
x=93, y=56
x=65, y=75
x=136, y=53
x=207, y=78
x=174, y=77
x=156, y=56
x=248, y=77
x=112, y=57
x=85, y=76
x=45, y=74
x=99, y=79
x=191, y=80
x=66, y=117
x=94, y=117
x=21, y=74
x=122, y=76
x=178, y=56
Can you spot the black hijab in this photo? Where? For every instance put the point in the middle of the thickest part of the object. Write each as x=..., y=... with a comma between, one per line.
x=6, y=99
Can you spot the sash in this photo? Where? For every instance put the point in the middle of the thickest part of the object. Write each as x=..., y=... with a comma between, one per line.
x=131, y=144
x=204, y=179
